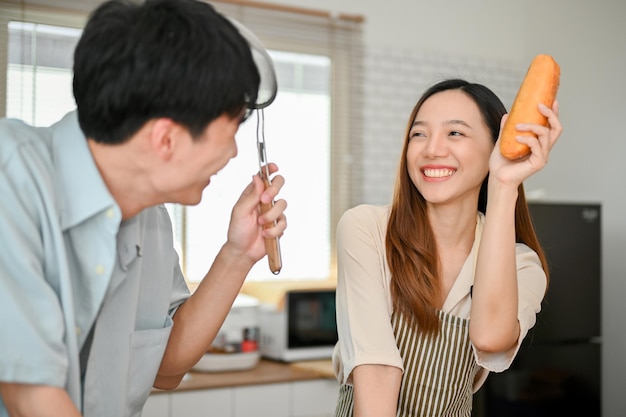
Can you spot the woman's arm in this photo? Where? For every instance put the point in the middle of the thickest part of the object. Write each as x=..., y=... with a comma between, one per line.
x=494, y=326
x=493, y=318
x=376, y=390
x=369, y=353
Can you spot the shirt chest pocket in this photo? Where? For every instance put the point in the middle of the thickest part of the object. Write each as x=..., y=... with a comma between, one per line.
x=146, y=352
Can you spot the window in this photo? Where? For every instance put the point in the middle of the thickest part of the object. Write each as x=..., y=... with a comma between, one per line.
x=307, y=130
x=297, y=134
x=39, y=74
x=316, y=39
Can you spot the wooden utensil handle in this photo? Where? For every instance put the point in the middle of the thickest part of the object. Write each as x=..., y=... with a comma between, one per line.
x=272, y=245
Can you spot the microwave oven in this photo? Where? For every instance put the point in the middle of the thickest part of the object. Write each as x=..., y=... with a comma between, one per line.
x=302, y=327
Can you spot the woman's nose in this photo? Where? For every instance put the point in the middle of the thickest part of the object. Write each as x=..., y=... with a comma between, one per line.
x=436, y=146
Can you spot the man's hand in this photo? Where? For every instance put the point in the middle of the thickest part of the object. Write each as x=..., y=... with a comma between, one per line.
x=246, y=233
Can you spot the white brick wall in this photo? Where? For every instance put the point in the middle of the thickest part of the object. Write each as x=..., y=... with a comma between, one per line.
x=392, y=81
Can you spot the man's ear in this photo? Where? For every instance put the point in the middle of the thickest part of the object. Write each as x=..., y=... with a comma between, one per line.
x=164, y=137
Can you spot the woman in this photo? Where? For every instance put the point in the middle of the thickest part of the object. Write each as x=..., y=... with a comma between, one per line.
x=442, y=286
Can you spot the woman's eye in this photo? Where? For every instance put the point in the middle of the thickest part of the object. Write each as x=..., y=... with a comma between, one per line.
x=417, y=135
x=456, y=133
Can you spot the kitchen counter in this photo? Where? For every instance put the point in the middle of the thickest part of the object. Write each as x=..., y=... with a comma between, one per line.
x=322, y=368
x=265, y=372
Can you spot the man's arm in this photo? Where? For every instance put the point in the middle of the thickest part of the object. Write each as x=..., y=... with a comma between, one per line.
x=24, y=400
x=200, y=317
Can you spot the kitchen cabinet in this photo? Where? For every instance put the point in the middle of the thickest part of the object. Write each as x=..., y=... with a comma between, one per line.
x=316, y=398
x=157, y=406
x=204, y=403
x=261, y=400
x=270, y=390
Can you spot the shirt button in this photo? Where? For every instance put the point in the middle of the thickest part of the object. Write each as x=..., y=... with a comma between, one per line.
x=78, y=331
x=110, y=213
x=99, y=269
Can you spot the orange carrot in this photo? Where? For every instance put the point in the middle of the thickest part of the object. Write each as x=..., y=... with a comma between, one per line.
x=540, y=85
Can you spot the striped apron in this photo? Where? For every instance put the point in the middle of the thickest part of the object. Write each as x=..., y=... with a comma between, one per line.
x=438, y=372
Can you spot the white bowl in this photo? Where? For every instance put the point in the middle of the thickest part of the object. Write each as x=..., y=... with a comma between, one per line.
x=222, y=362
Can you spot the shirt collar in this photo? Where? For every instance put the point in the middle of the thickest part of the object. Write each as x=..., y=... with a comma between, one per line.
x=82, y=190
x=463, y=285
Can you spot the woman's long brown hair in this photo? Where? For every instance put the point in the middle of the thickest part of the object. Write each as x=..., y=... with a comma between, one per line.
x=410, y=243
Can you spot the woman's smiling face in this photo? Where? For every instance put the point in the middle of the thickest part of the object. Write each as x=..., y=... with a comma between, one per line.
x=449, y=148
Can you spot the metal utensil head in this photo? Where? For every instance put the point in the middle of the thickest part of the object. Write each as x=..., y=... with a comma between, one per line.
x=268, y=86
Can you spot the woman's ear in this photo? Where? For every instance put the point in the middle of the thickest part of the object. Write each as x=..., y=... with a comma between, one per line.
x=504, y=117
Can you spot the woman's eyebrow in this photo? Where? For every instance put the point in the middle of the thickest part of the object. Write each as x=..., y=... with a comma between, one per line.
x=446, y=123
x=456, y=122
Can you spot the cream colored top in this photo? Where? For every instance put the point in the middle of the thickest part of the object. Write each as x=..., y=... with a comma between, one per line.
x=364, y=304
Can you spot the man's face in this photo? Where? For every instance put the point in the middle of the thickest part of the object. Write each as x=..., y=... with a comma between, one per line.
x=197, y=160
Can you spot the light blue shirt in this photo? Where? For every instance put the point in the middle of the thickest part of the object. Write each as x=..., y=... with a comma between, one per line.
x=69, y=264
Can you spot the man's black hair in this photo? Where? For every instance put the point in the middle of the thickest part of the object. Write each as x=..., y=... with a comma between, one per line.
x=178, y=59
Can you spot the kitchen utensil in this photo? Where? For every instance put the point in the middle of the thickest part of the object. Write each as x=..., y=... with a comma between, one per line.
x=268, y=88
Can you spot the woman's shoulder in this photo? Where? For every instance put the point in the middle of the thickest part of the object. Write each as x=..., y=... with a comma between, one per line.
x=523, y=250
x=364, y=220
x=368, y=210
x=366, y=214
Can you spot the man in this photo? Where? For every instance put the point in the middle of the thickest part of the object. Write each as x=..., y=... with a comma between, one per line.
x=95, y=310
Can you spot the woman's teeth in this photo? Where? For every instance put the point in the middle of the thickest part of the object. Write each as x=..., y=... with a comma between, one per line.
x=438, y=173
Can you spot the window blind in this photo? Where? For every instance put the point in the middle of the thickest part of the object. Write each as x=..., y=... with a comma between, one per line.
x=340, y=40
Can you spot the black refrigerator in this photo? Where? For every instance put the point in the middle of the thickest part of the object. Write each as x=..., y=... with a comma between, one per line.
x=558, y=368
